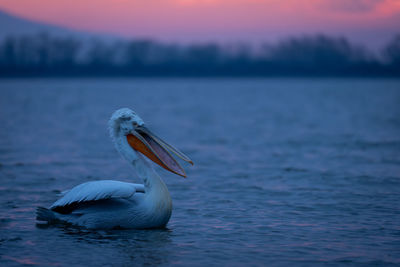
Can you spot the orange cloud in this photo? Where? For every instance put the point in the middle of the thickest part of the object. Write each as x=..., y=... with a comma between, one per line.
x=211, y=19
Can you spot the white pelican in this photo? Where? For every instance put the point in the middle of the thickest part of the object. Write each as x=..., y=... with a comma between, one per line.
x=111, y=204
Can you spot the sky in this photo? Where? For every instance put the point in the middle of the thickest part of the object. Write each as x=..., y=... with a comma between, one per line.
x=371, y=22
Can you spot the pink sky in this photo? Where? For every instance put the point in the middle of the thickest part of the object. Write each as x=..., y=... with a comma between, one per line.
x=222, y=20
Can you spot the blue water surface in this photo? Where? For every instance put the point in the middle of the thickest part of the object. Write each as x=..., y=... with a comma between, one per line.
x=287, y=171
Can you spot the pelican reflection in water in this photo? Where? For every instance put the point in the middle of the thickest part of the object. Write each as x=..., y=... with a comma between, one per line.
x=112, y=204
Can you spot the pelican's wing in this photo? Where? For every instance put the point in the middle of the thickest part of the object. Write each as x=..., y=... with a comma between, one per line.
x=93, y=191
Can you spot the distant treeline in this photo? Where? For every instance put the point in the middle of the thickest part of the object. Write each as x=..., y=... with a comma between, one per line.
x=319, y=55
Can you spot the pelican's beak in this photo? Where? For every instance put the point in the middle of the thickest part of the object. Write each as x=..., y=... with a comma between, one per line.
x=155, y=148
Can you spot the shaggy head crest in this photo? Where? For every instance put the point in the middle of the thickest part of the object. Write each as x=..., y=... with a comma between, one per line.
x=123, y=117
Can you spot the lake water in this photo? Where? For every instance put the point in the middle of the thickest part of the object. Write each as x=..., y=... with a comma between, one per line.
x=295, y=171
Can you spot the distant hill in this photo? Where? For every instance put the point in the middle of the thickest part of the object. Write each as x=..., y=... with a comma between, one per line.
x=11, y=25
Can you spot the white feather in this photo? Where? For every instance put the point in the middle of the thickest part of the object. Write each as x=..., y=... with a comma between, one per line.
x=97, y=190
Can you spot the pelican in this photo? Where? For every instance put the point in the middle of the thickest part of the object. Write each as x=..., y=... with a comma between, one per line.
x=109, y=204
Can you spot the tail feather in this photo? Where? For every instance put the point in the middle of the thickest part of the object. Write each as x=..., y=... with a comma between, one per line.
x=46, y=215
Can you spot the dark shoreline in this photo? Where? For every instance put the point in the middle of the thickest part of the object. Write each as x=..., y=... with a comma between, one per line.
x=43, y=55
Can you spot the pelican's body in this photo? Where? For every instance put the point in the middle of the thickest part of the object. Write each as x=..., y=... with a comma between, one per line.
x=111, y=204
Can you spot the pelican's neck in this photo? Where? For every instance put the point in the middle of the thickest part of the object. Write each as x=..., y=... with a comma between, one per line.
x=143, y=168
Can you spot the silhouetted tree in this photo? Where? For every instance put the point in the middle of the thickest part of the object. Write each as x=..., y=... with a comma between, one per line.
x=392, y=51
x=8, y=55
x=308, y=55
x=319, y=53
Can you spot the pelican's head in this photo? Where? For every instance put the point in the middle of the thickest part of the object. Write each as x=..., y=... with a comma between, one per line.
x=125, y=123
